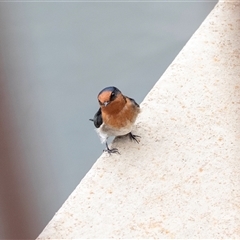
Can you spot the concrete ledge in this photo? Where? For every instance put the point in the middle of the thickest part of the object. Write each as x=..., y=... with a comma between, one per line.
x=183, y=179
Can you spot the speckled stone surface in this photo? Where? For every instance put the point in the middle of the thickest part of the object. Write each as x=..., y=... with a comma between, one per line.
x=183, y=179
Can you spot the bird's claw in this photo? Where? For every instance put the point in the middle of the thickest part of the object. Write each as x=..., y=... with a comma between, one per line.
x=110, y=151
x=134, y=137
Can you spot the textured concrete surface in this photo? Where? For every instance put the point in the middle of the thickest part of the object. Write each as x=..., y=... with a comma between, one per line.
x=183, y=179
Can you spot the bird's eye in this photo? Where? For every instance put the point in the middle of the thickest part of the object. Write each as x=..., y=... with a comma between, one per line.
x=112, y=96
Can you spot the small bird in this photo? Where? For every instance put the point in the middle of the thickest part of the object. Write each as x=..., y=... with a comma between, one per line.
x=116, y=116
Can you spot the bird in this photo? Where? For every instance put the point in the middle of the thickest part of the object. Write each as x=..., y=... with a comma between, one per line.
x=116, y=116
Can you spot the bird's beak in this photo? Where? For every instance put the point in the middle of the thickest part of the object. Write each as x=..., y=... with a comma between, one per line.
x=105, y=103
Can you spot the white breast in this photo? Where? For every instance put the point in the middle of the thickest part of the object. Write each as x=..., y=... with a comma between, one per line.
x=105, y=131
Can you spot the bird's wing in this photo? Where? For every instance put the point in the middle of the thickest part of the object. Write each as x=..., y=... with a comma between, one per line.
x=97, y=119
x=133, y=101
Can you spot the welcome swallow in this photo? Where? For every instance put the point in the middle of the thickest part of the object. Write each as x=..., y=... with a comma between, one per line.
x=116, y=116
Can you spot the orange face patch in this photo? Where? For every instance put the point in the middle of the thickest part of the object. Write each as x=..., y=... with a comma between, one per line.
x=104, y=96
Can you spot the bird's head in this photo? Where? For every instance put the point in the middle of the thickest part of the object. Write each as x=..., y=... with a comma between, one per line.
x=108, y=95
x=111, y=100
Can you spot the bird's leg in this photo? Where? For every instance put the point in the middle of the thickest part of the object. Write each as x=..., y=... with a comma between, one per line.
x=133, y=137
x=113, y=150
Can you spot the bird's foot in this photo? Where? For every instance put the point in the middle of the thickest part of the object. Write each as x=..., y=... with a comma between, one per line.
x=110, y=151
x=133, y=137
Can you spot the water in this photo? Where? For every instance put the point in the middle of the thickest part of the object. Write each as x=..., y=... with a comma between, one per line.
x=55, y=57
